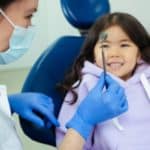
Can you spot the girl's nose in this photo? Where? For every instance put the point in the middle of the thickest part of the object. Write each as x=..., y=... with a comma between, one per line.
x=114, y=52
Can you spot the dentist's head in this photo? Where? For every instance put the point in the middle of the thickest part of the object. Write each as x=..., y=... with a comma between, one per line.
x=16, y=30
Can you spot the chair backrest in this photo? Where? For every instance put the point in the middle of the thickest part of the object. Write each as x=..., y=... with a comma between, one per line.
x=51, y=66
x=49, y=70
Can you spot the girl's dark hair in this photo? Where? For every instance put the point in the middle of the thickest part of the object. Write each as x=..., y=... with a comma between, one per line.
x=5, y=3
x=130, y=25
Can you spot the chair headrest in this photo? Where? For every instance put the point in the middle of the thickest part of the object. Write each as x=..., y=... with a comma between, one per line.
x=82, y=13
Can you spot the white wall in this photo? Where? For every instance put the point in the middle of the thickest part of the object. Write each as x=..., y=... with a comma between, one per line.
x=138, y=8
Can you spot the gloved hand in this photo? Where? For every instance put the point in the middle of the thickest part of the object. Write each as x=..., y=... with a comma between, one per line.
x=34, y=107
x=99, y=106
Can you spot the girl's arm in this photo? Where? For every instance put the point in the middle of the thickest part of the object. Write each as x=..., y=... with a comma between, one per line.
x=72, y=141
x=107, y=105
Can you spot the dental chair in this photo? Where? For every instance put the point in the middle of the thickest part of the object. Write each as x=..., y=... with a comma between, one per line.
x=51, y=66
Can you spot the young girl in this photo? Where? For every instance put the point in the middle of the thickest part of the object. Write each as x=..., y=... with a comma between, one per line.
x=127, y=58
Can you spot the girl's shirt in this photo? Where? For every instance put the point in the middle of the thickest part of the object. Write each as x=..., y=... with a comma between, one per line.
x=136, y=121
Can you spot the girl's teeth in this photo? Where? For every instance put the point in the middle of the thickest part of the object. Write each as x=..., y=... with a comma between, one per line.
x=115, y=66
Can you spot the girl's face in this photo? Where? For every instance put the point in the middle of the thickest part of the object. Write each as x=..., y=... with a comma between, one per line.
x=20, y=13
x=121, y=54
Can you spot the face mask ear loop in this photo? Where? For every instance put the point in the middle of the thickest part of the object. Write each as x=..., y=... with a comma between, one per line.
x=2, y=12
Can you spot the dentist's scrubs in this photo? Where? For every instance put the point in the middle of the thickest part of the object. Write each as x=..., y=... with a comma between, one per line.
x=9, y=139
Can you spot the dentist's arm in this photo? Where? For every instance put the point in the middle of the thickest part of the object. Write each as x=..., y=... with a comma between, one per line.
x=34, y=107
x=107, y=105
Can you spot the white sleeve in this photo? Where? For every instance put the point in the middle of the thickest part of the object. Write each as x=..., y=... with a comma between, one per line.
x=4, y=104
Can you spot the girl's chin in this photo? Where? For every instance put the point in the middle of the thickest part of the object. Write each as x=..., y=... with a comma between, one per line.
x=116, y=73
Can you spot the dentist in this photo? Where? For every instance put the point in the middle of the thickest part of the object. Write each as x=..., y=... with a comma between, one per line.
x=16, y=35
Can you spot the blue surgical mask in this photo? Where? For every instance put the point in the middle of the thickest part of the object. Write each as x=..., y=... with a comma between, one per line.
x=20, y=41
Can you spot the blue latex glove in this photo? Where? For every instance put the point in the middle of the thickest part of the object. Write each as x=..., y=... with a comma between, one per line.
x=34, y=107
x=99, y=106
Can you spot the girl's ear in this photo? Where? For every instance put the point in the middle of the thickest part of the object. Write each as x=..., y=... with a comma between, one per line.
x=138, y=57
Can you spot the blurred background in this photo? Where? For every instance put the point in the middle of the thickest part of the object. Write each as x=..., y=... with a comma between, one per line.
x=51, y=24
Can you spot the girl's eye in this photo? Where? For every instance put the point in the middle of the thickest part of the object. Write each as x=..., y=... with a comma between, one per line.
x=125, y=45
x=104, y=46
